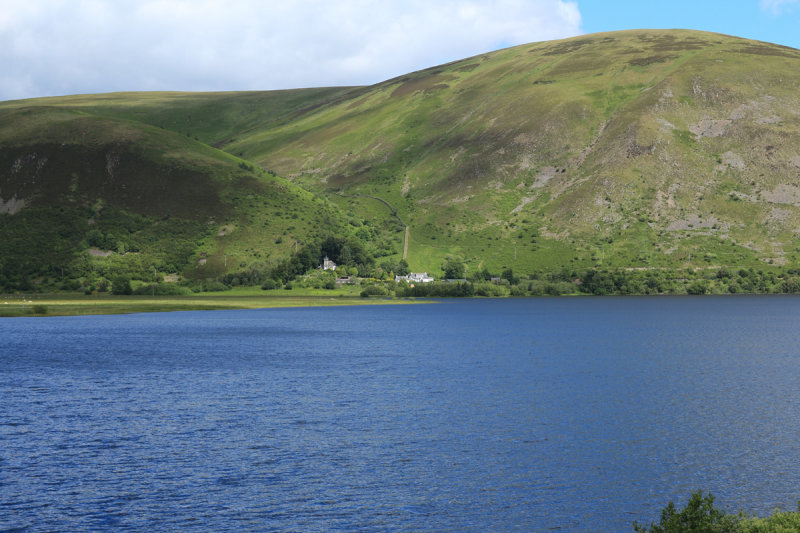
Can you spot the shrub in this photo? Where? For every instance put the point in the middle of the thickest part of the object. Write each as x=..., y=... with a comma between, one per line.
x=40, y=309
x=518, y=291
x=490, y=290
x=121, y=285
x=779, y=522
x=698, y=287
x=792, y=285
x=162, y=289
x=215, y=286
x=269, y=285
x=374, y=290
x=699, y=516
x=71, y=285
x=453, y=269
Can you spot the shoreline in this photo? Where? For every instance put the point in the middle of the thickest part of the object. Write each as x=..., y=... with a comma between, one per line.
x=79, y=305
x=55, y=304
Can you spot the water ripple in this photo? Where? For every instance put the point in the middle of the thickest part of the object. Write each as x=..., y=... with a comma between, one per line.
x=567, y=414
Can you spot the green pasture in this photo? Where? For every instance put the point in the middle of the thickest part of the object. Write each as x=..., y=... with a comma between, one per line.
x=239, y=298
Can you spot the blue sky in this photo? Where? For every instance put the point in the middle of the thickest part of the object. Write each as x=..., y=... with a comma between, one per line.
x=56, y=47
x=772, y=21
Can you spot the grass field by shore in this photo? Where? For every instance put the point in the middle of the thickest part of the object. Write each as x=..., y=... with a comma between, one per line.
x=241, y=298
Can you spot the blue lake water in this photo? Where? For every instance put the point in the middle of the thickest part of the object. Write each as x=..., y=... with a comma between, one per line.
x=573, y=414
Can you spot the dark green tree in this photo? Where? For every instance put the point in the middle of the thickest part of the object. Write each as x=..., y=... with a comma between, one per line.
x=508, y=274
x=453, y=269
x=699, y=516
x=402, y=268
x=121, y=285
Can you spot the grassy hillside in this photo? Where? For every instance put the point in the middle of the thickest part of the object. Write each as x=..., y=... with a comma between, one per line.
x=211, y=118
x=84, y=196
x=649, y=150
x=629, y=149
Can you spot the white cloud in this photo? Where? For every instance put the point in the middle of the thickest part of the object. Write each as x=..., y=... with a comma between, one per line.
x=53, y=47
x=777, y=7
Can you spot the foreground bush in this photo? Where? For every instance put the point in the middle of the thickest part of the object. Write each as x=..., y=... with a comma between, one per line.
x=700, y=516
x=779, y=522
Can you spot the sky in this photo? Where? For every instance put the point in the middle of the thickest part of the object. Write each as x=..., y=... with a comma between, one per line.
x=58, y=47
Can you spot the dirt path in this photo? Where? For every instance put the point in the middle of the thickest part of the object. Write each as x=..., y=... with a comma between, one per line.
x=391, y=208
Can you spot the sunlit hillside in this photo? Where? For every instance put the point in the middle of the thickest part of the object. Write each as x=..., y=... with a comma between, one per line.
x=647, y=149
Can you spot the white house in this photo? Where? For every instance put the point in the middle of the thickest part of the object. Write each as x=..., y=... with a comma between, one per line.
x=327, y=264
x=415, y=277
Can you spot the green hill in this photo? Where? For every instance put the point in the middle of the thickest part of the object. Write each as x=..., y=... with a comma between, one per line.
x=85, y=195
x=629, y=149
x=643, y=150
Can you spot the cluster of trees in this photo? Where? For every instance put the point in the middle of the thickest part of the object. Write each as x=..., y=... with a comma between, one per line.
x=345, y=251
x=108, y=241
x=620, y=282
x=351, y=255
x=454, y=269
x=44, y=248
x=700, y=516
x=437, y=290
x=38, y=252
x=399, y=268
x=690, y=281
x=486, y=275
